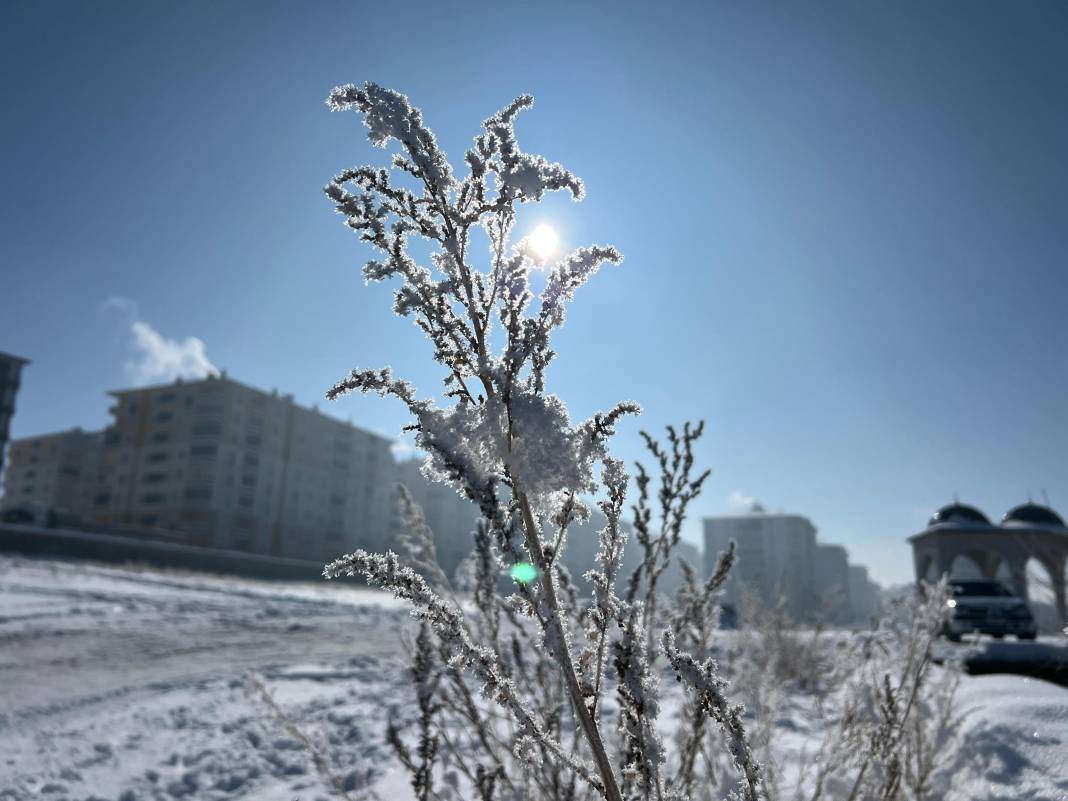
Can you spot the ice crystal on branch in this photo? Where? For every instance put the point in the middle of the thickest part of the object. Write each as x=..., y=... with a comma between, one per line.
x=546, y=656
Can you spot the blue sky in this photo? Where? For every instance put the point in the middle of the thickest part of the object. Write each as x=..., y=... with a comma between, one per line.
x=844, y=224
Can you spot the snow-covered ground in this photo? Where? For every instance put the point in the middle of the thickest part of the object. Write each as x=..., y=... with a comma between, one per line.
x=135, y=684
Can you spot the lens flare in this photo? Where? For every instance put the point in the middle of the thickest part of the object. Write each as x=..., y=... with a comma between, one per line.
x=524, y=572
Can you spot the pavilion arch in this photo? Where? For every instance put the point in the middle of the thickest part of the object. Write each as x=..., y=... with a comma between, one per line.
x=960, y=535
x=968, y=566
x=1039, y=581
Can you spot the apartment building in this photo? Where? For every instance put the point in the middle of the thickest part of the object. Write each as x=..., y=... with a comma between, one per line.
x=54, y=473
x=863, y=594
x=220, y=464
x=774, y=557
x=10, y=379
x=779, y=558
x=831, y=574
x=450, y=516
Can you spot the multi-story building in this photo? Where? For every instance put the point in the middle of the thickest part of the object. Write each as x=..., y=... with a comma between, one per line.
x=53, y=473
x=863, y=594
x=449, y=515
x=10, y=379
x=831, y=575
x=452, y=518
x=774, y=557
x=220, y=464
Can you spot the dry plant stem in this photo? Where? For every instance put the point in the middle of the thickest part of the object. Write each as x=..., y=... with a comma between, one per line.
x=589, y=727
x=321, y=764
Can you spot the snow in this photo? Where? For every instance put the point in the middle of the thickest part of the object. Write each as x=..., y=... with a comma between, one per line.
x=125, y=684
x=1013, y=741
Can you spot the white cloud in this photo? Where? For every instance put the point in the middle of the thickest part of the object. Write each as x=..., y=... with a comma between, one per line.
x=160, y=359
x=740, y=501
x=124, y=307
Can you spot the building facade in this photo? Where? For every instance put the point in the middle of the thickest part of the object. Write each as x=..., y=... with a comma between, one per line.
x=830, y=573
x=780, y=560
x=863, y=593
x=449, y=515
x=53, y=473
x=775, y=554
x=10, y=380
x=218, y=464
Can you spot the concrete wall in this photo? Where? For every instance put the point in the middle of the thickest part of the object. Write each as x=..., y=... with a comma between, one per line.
x=63, y=544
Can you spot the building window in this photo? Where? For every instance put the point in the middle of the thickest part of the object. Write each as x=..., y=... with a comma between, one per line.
x=161, y=436
x=208, y=428
x=152, y=498
x=245, y=501
x=102, y=499
x=164, y=417
x=166, y=397
x=155, y=478
x=204, y=450
x=198, y=493
x=157, y=457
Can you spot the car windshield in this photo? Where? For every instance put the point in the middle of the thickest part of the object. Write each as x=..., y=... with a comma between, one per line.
x=981, y=588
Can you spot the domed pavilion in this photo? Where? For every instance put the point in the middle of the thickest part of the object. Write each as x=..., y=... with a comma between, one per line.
x=1027, y=531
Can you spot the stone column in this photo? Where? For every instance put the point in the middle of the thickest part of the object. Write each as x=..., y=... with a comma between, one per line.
x=1057, y=568
x=1018, y=570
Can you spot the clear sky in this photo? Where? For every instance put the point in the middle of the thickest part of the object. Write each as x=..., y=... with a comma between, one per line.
x=844, y=224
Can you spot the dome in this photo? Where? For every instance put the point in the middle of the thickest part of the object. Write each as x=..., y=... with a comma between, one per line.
x=1031, y=513
x=959, y=514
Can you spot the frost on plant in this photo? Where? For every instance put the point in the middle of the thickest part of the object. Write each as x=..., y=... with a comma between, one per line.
x=531, y=687
x=502, y=441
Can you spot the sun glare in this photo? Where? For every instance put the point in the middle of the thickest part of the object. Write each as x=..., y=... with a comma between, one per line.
x=543, y=241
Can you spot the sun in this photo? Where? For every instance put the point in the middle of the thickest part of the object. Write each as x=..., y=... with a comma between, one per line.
x=543, y=241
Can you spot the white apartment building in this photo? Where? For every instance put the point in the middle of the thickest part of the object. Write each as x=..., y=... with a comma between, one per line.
x=775, y=557
x=779, y=557
x=831, y=574
x=54, y=473
x=220, y=464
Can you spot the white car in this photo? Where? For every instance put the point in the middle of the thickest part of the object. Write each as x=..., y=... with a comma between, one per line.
x=988, y=607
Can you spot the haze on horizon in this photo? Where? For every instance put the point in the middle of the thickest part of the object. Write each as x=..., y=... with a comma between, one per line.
x=844, y=227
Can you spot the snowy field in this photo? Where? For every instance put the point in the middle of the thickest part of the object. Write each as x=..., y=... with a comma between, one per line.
x=134, y=684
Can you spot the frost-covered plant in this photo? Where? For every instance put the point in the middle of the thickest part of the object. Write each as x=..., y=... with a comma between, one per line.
x=545, y=656
x=890, y=720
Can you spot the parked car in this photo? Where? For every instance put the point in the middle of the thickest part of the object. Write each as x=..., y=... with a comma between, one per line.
x=31, y=515
x=988, y=607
